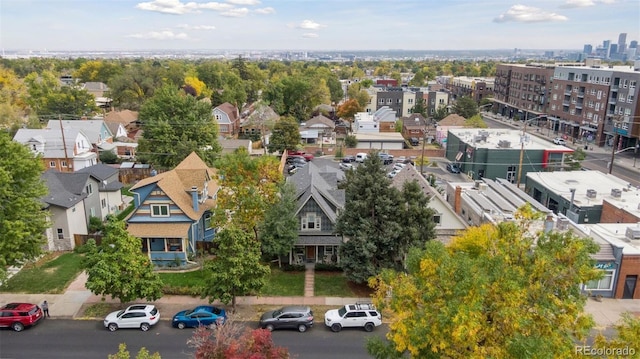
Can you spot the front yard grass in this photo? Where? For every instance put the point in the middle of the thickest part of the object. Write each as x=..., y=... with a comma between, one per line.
x=50, y=274
x=330, y=284
x=284, y=284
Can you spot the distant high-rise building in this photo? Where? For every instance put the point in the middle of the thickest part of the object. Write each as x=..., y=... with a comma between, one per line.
x=587, y=49
x=622, y=43
x=633, y=44
x=606, y=46
x=613, y=49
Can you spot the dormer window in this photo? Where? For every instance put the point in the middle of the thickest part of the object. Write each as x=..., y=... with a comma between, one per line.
x=311, y=222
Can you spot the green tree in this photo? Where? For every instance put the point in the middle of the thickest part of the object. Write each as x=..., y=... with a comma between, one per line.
x=97, y=71
x=416, y=218
x=47, y=97
x=279, y=230
x=500, y=291
x=119, y=268
x=137, y=83
x=13, y=93
x=475, y=121
x=420, y=107
x=285, y=136
x=176, y=124
x=23, y=220
x=441, y=112
x=418, y=79
x=465, y=107
x=575, y=159
x=350, y=141
x=236, y=269
x=123, y=353
x=628, y=336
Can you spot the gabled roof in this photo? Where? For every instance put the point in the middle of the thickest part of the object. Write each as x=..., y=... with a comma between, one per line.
x=95, y=86
x=65, y=189
x=452, y=120
x=415, y=120
x=52, y=139
x=312, y=182
x=230, y=110
x=261, y=115
x=124, y=117
x=320, y=121
x=99, y=171
x=177, y=184
x=91, y=128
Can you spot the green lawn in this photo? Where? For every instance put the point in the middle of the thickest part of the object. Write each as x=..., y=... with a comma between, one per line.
x=328, y=284
x=45, y=276
x=183, y=279
x=284, y=284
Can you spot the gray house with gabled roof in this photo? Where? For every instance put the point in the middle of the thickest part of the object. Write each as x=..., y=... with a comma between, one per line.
x=108, y=188
x=319, y=202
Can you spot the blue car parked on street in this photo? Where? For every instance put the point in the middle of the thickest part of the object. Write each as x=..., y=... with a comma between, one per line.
x=203, y=315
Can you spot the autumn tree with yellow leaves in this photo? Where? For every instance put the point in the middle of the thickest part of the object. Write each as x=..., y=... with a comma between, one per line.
x=502, y=291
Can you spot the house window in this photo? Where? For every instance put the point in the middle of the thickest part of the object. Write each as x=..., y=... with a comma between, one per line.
x=93, y=212
x=159, y=210
x=60, y=233
x=63, y=163
x=89, y=189
x=52, y=164
x=104, y=203
x=174, y=244
x=207, y=221
x=437, y=218
x=218, y=117
x=311, y=222
x=606, y=283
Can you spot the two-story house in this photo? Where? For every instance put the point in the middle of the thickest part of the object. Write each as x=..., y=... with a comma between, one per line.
x=319, y=201
x=65, y=150
x=173, y=211
x=228, y=119
x=66, y=210
x=96, y=130
x=108, y=188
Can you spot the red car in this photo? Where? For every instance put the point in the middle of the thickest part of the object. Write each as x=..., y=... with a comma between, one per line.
x=307, y=156
x=18, y=316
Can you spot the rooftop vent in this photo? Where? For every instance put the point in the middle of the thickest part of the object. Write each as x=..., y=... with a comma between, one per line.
x=633, y=233
x=616, y=192
x=591, y=193
x=562, y=224
x=504, y=144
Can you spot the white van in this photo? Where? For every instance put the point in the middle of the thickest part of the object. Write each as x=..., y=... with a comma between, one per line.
x=360, y=157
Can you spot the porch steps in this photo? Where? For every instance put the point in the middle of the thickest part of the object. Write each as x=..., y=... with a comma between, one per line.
x=309, y=276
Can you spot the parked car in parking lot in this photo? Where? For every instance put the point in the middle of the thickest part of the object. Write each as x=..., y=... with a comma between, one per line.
x=348, y=159
x=298, y=317
x=453, y=168
x=394, y=172
x=386, y=158
x=346, y=166
x=18, y=316
x=292, y=159
x=141, y=316
x=359, y=315
x=202, y=315
x=306, y=156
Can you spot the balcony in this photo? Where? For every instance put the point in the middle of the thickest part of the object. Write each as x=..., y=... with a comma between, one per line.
x=581, y=94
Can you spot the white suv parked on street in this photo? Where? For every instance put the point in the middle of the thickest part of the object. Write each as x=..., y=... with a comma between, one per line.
x=360, y=315
x=141, y=316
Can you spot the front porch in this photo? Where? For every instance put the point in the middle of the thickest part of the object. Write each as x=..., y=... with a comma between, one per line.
x=326, y=254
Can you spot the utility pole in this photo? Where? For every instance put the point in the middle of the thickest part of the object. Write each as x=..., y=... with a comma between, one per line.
x=614, y=145
x=524, y=131
x=64, y=143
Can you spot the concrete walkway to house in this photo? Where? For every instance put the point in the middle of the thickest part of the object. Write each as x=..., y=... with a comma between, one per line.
x=309, y=280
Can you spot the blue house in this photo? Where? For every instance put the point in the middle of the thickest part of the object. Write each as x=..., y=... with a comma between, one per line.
x=173, y=211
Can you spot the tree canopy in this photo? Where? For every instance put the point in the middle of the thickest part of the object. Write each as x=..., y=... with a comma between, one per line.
x=47, y=97
x=285, y=136
x=465, y=107
x=119, y=268
x=23, y=220
x=176, y=124
x=475, y=121
x=501, y=291
x=236, y=269
x=374, y=222
x=279, y=230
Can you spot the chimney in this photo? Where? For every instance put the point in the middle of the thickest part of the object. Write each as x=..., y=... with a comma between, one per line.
x=548, y=223
x=457, y=200
x=194, y=197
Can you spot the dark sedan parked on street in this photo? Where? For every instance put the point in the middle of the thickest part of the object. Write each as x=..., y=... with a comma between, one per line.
x=298, y=317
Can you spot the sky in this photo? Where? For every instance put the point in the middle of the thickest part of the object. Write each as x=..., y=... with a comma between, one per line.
x=111, y=25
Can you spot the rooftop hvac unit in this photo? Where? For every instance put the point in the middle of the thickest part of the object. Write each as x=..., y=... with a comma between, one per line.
x=562, y=224
x=633, y=233
x=591, y=193
x=504, y=144
x=482, y=187
x=483, y=133
x=615, y=192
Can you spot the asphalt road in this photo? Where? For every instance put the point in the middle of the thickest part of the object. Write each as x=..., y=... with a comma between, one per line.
x=71, y=339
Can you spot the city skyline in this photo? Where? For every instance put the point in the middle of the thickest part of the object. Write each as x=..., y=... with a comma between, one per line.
x=310, y=25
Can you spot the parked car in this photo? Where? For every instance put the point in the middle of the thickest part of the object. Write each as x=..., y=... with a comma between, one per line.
x=360, y=157
x=398, y=166
x=291, y=169
x=203, y=315
x=401, y=159
x=346, y=166
x=393, y=173
x=298, y=317
x=348, y=159
x=359, y=315
x=414, y=141
x=141, y=316
x=559, y=141
x=386, y=158
x=291, y=159
x=453, y=168
x=306, y=156
x=18, y=316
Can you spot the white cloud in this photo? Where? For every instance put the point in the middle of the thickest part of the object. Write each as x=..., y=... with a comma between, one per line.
x=310, y=35
x=160, y=35
x=309, y=25
x=177, y=7
x=196, y=27
x=522, y=13
x=235, y=12
x=585, y=3
x=266, y=10
x=244, y=2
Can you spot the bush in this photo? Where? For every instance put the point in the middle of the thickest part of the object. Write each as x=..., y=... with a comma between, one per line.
x=108, y=157
x=326, y=267
x=293, y=267
x=351, y=141
x=87, y=247
x=194, y=291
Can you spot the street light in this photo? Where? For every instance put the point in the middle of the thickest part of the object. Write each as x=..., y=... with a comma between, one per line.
x=524, y=132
